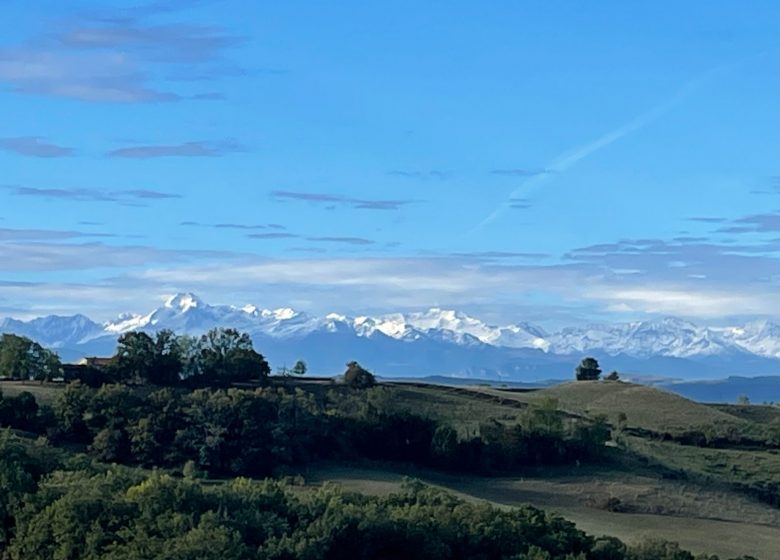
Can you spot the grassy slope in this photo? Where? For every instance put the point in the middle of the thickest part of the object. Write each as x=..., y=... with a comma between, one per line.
x=700, y=520
x=645, y=407
x=760, y=413
x=732, y=466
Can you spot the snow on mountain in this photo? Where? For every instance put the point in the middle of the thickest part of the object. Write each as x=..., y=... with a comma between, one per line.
x=435, y=334
x=54, y=331
x=760, y=337
x=460, y=328
x=668, y=337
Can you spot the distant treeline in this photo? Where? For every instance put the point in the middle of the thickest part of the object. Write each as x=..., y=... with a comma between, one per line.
x=53, y=508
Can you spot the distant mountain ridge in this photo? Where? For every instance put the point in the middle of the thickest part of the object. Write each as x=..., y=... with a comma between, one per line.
x=436, y=341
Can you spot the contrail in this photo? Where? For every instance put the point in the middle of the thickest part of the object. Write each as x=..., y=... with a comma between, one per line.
x=568, y=159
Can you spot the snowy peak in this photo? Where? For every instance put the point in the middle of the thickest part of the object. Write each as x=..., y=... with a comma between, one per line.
x=183, y=302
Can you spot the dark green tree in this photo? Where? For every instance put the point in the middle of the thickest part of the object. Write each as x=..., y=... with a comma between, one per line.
x=143, y=359
x=299, y=368
x=226, y=356
x=444, y=445
x=358, y=377
x=22, y=358
x=613, y=376
x=134, y=357
x=588, y=370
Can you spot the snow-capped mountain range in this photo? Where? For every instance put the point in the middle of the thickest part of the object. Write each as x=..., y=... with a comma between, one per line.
x=436, y=341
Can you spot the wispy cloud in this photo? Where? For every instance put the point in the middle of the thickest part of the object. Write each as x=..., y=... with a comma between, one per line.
x=273, y=235
x=175, y=43
x=240, y=227
x=772, y=189
x=313, y=250
x=334, y=199
x=118, y=58
x=34, y=146
x=519, y=172
x=11, y=234
x=98, y=77
x=308, y=197
x=414, y=174
x=346, y=240
x=57, y=250
x=707, y=219
x=187, y=149
x=500, y=255
x=755, y=223
x=316, y=239
x=520, y=203
x=92, y=195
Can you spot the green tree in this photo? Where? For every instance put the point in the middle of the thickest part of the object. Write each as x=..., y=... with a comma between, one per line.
x=588, y=370
x=70, y=409
x=613, y=376
x=358, y=377
x=22, y=358
x=16, y=479
x=141, y=358
x=444, y=444
x=168, y=361
x=226, y=356
x=134, y=357
x=299, y=368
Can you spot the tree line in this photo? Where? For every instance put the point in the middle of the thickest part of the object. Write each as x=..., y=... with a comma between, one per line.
x=266, y=431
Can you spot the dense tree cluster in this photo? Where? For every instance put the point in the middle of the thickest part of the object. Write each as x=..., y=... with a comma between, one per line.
x=218, y=358
x=22, y=358
x=50, y=509
x=229, y=432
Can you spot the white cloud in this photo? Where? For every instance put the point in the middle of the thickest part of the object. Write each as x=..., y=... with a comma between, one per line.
x=688, y=302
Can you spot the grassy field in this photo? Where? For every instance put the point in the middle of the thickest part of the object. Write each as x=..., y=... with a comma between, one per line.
x=700, y=520
x=44, y=393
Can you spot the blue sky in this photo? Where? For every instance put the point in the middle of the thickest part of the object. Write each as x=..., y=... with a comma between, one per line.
x=555, y=162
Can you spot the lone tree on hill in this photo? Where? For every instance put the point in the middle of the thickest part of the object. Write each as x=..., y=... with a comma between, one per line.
x=588, y=370
x=299, y=368
x=358, y=377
